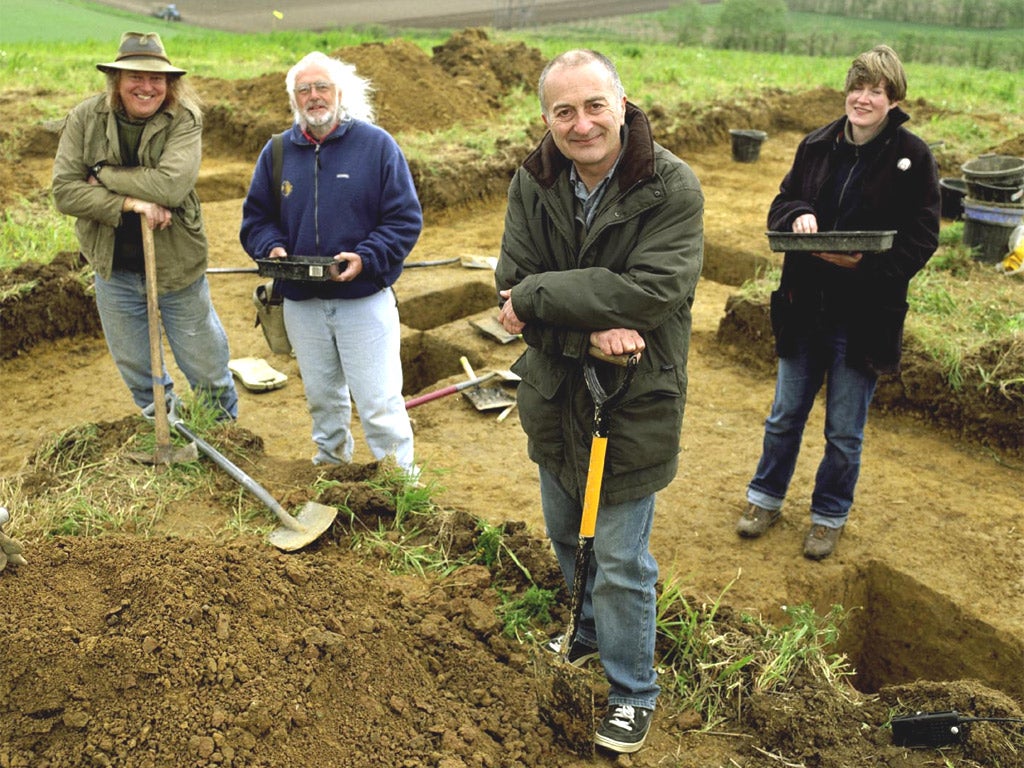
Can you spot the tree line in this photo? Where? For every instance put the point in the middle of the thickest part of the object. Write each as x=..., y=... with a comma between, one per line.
x=930, y=30
x=973, y=14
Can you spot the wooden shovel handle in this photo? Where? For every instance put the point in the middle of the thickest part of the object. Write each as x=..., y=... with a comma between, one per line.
x=160, y=421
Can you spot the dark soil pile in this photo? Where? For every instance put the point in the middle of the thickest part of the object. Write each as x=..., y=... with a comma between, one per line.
x=121, y=651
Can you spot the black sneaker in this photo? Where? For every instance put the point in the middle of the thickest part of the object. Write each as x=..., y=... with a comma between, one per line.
x=579, y=653
x=624, y=728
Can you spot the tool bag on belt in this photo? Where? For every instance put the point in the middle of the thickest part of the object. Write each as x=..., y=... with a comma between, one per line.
x=270, y=317
x=267, y=296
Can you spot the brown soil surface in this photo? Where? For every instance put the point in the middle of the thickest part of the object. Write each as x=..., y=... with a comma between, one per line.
x=196, y=646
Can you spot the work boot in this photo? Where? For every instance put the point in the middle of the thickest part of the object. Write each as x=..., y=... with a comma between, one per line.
x=756, y=520
x=579, y=652
x=821, y=541
x=624, y=728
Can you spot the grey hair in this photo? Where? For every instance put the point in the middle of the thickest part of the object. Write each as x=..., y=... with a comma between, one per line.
x=355, y=90
x=578, y=58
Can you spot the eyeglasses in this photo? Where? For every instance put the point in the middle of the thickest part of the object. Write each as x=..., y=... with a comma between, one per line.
x=320, y=87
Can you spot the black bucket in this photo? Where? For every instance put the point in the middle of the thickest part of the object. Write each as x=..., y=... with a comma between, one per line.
x=995, y=193
x=746, y=145
x=953, y=192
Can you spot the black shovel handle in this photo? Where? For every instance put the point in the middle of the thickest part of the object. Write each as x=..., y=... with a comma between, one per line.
x=603, y=402
x=606, y=401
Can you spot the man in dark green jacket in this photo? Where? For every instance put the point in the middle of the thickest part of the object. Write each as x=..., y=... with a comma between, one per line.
x=603, y=247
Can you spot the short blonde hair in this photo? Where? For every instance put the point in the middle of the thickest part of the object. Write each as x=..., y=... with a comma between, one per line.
x=874, y=66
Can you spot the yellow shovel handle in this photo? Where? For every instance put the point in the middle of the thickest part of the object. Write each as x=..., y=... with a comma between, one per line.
x=592, y=494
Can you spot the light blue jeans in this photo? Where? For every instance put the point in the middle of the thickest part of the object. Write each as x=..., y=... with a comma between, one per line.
x=192, y=328
x=349, y=350
x=620, y=605
x=848, y=395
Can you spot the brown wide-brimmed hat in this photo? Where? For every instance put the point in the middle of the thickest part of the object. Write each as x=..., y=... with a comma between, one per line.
x=141, y=52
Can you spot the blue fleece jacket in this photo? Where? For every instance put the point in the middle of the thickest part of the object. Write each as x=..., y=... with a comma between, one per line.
x=351, y=192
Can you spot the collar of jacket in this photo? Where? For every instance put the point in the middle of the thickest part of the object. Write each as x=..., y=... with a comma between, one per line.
x=546, y=163
x=835, y=130
x=299, y=135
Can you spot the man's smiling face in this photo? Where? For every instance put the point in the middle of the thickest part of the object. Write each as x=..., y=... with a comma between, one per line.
x=142, y=93
x=316, y=98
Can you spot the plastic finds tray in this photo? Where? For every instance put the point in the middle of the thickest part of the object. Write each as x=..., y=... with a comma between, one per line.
x=853, y=241
x=307, y=268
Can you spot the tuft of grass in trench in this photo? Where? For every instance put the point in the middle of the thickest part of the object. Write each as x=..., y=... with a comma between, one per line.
x=716, y=661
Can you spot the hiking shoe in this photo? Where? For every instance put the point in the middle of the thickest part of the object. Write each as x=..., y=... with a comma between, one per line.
x=624, y=728
x=579, y=652
x=756, y=521
x=821, y=541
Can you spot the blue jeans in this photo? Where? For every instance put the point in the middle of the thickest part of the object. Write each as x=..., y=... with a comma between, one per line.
x=350, y=349
x=193, y=331
x=847, y=397
x=620, y=604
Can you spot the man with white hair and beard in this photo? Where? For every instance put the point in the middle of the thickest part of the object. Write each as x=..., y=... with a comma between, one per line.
x=345, y=191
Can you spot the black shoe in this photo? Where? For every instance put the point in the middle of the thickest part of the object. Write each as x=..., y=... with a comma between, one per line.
x=624, y=728
x=579, y=653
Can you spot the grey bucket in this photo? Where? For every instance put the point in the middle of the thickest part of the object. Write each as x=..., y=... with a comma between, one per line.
x=995, y=170
x=746, y=144
x=987, y=228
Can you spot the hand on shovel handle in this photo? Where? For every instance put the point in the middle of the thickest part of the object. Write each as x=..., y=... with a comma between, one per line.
x=620, y=360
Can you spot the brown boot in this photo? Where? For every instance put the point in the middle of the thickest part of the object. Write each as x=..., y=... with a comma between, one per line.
x=821, y=541
x=756, y=520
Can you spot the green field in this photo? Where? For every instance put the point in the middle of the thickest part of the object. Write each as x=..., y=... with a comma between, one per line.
x=66, y=21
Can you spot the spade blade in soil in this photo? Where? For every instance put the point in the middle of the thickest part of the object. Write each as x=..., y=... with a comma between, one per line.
x=311, y=521
x=489, y=398
x=565, y=701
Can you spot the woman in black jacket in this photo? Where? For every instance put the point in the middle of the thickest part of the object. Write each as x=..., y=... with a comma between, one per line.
x=839, y=316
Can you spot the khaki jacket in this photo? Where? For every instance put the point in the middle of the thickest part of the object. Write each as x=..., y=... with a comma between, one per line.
x=170, y=152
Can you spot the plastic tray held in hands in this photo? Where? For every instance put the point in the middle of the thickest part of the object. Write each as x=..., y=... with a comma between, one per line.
x=307, y=268
x=853, y=241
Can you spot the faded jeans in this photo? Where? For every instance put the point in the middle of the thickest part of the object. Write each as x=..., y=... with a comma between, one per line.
x=620, y=605
x=349, y=350
x=848, y=394
x=193, y=330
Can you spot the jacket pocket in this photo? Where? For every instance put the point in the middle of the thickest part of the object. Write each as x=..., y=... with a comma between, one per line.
x=784, y=322
x=539, y=373
x=876, y=338
x=644, y=430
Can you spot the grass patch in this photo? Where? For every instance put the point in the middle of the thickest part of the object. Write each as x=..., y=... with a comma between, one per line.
x=33, y=230
x=716, y=660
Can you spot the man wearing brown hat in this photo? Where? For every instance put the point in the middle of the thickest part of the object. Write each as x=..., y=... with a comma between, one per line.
x=129, y=158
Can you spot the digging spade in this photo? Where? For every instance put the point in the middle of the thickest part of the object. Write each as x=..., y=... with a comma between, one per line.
x=294, y=532
x=166, y=453
x=565, y=692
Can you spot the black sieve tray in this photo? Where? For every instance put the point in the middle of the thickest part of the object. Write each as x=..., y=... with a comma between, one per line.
x=853, y=241
x=307, y=268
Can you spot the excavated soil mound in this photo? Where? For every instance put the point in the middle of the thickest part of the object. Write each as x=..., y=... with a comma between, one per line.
x=121, y=651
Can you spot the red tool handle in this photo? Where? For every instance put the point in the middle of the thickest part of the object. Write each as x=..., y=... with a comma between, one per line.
x=450, y=390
